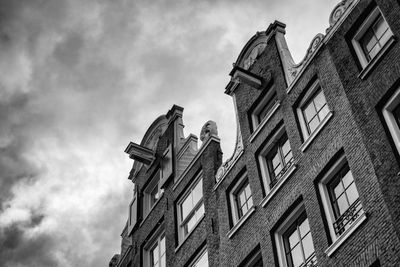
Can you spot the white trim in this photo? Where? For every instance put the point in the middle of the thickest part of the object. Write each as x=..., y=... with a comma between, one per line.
x=232, y=193
x=284, y=226
x=147, y=215
x=314, y=134
x=278, y=185
x=197, y=180
x=241, y=221
x=390, y=120
x=332, y=248
x=261, y=125
x=360, y=33
x=367, y=69
x=155, y=238
x=326, y=202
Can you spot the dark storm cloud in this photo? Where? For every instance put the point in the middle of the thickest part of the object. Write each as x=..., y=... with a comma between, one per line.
x=75, y=79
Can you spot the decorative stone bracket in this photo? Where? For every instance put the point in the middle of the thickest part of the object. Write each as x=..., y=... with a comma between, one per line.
x=140, y=153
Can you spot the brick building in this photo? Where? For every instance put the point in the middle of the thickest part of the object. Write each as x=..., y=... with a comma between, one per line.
x=315, y=176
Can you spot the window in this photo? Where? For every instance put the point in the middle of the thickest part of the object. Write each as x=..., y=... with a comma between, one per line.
x=372, y=37
x=264, y=109
x=276, y=162
x=191, y=208
x=391, y=114
x=279, y=159
x=254, y=259
x=340, y=198
x=152, y=193
x=313, y=113
x=202, y=260
x=294, y=241
x=242, y=198
x=154, y=251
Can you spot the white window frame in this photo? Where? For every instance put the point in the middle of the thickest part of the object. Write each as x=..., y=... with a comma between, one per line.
x=181, y=224
x=266, y=178
x=202, y=253
x=309, y=137
x=281, y=230
x=232, y=198
x=360, y=33
x=155, y=182
x=256, y=123
x=154, y=239
x=327, y=205
x=390, y=120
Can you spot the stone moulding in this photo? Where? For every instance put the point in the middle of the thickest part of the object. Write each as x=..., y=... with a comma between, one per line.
x=293, y=70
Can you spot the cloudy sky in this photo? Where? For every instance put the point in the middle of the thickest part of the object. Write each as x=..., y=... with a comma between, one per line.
x=80, y=79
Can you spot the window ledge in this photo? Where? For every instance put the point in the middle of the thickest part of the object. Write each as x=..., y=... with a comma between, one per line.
x=152, y=208
x=338, y=242
x=314, y=134
x=187, y=237
x=241, y=221
x=278, y=185
x=367, y=68
x=264, y=121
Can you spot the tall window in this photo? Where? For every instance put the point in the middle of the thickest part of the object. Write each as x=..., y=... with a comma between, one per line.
x=262, y=110
x=391, y=114
x=344, y=199
x=152, y=193
x=157, y=253
x=201, y=260
x=315, y=110
x=241, y=198
x=279, y=159
x=313, y=113
x=372, y=37
x=340, y=199
x=154, y=250
x=244, y=200
x=294, y=241
x=191, y=208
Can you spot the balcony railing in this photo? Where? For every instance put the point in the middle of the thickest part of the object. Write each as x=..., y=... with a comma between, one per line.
x=348, y=217
x=275, y=180
x=311, y=261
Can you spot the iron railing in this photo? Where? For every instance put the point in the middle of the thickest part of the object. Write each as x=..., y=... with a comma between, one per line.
x=348, y=217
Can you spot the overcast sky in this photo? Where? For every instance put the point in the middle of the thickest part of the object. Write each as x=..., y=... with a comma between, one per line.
x=80, y=79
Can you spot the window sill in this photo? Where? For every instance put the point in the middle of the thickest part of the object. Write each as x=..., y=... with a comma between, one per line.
x=367, y=68
x=278, y=185
x=264, y=121
x=152, y=208
x=239, y=223
x=187, y=237
x=338, y=242
x=311, y=137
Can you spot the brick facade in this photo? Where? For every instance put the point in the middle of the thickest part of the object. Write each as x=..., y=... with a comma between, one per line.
x=355, y=133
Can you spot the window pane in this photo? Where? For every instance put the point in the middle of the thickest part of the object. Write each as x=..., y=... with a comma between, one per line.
x=352, y=193
x=347, y=179
x=200, y=211
x=187, y=206
x=342, y=204
x=313, y=124
x=380, y=27
x=203, y=261
x=308, y=245
x=297, y=256
x=286, y=148
x=323, y=112
x=190, y=224
x=304, y=228
x=338, y=190
x=248, y=191
x=293, y=239
x=319, y=100
x=198, y=192
x=309, y=111
x=374, y=51
x=250, y=202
